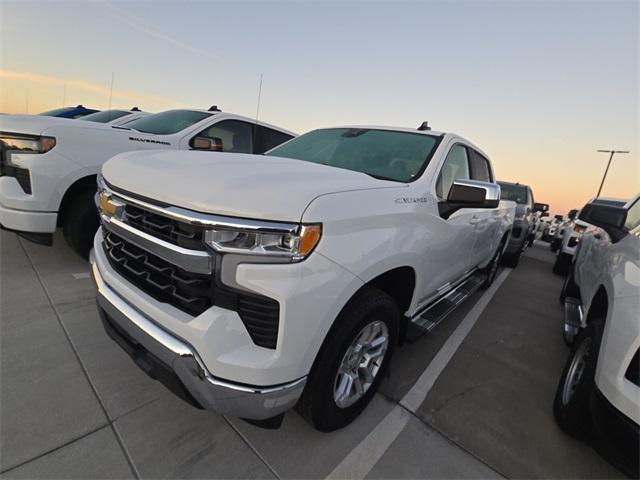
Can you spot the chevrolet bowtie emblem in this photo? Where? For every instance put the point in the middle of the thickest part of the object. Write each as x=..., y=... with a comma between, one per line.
x=108, y=206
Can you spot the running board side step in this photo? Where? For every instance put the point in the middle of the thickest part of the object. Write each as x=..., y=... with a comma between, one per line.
x=437, y=311
x=572, y=319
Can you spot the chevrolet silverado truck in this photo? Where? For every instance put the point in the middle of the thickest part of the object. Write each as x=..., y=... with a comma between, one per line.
x=598, y=395
x=256, y=283
x=48, y=165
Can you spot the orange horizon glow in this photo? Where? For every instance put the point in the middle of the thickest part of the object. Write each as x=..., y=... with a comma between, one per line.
x=565, y=175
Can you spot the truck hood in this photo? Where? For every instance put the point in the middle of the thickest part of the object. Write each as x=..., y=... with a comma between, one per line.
x=38, y=125
x=233, y=184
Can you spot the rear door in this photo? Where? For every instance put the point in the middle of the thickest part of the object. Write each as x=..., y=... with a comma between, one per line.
x=485, y=220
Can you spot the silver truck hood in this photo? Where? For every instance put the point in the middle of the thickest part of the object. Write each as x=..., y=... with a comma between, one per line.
x=238, y=185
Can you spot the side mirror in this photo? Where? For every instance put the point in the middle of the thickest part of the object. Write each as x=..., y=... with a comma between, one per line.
x=207, y=143
x=470, y=194
x=541, y=207
x=572, y=214
x=609, y=218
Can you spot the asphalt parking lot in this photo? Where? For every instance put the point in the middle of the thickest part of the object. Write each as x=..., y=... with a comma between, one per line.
x=472, y=399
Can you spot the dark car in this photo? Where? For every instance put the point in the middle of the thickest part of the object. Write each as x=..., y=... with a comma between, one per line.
x=525, y=220
x=69, y=112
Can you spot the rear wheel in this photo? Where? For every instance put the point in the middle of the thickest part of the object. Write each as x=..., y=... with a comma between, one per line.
x=81, y=223
x=352, y=361
x=571, y=404
x=569, y=287
x=491, y=270
x=511, y=259
x=563, y=264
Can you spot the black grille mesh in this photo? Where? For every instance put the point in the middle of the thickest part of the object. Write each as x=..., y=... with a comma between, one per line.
x=165, y=228
x=190, y=292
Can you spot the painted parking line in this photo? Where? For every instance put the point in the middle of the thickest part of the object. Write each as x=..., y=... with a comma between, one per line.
x=81, y=275
x=359, y=462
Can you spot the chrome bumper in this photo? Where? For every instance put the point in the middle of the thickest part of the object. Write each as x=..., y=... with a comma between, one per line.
x=146, y=337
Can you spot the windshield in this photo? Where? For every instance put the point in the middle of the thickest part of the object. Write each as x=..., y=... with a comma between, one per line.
x=515, y=193
x=106, y=116
x=166, y=123
x=56, y=111
x=384, y=154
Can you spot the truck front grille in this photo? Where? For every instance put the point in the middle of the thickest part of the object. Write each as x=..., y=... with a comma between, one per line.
x=176, y=232
x=191, y=292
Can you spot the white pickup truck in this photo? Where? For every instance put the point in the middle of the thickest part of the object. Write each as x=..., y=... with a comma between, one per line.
x=258, y=282
x=598, y=396
x=48, y=165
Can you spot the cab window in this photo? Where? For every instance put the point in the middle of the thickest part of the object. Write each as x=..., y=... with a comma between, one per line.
x=272, y=138
x=236, y=136
x=456, y=166
x=480, y=169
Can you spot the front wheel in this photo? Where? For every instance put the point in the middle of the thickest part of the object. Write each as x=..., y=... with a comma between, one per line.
x=81, y=223
x=571, y=403
x=352, y=361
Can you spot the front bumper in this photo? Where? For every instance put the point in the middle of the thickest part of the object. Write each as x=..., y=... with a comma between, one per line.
x=151, y=347
x=35, y=226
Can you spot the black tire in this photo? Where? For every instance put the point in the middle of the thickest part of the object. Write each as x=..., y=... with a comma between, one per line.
x=569, y=287
x=572, y=411
x=510, y=259
x=317, y=404
x=81, y=223
x=491, y=270
x=563, y=264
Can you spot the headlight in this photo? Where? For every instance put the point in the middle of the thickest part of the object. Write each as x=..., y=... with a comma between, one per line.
x=291, y=246
x=14, y=142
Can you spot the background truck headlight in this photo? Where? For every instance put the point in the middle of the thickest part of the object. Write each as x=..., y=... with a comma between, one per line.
x=15, y=142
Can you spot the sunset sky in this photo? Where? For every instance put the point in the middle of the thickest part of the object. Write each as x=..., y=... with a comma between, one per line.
x=540, y=86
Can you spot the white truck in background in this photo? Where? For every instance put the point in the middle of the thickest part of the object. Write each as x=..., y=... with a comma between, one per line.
x=48, y=165
x=598, y=396
x=256, y=283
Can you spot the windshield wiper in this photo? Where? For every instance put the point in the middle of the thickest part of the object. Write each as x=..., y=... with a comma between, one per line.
x=120, y=128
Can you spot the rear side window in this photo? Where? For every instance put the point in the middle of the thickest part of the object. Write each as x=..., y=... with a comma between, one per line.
x=456, y=167
x=271, y=139
x=480, y=169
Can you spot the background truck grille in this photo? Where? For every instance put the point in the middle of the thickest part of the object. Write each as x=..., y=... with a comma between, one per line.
x=165, y=228
x=190, y=292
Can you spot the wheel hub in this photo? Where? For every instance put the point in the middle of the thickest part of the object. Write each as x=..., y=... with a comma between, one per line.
x=576, y=370
x=361, y=364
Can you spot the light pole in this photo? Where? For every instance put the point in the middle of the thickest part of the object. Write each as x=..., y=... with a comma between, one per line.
x=612, y=152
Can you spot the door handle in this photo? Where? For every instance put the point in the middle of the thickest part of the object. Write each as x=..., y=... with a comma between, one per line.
x=475, y=219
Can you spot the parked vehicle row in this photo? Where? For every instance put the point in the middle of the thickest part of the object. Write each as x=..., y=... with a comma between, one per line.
x=598, y=396
x=48, y=166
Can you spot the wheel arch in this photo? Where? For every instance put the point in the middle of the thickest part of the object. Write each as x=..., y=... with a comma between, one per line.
x=599, y=305
x=79, y=186
x=399, y=283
